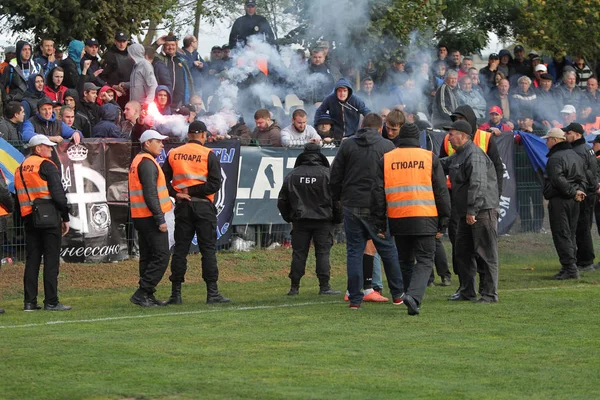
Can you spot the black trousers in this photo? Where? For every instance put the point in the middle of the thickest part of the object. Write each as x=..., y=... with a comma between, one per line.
x=415, y=254
x=563, y=215
x=38, y=243
x=477, y=250
x=154, y=253
x=440, y=262
x=199, y=218
x=597, y=214
x=583, y=234
x=321, y=234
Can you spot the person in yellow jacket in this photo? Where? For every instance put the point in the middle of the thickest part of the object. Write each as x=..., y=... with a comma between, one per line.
x=411, y=192
x=149, y=201
x=193, y=174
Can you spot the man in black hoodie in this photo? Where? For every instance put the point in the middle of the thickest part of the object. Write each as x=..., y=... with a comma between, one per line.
x=564, y=187
x=305, y=201
x=352, y=181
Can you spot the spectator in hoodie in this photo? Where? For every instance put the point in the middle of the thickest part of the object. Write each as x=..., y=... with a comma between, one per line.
x=81, y=123
x=35, y=92
x=344, y=108
x=46, y=59
x=505, y=64
x=267, y=131
x=162, y=99
x=94, y=70
x=16, y=74
x=71, y=65
x=54, y=88
x=299, y=133
x=142, y=82
x=107, y=95
x=117, y=64
x=45, y=123
x=108, y=127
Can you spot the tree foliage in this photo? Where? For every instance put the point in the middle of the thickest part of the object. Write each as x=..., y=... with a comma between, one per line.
x=561, y=26
x=64, y=20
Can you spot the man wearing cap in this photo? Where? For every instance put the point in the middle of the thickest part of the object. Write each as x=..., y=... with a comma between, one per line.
x=94, y=70
x=38, y=178
x=89, y=107
x=149, y=201
x=193, y=175
x=305, y=201
x=574, y=134
x=565, y=186
x=249, y=25
x=488, y=74
x=475, y=198
x=546, y=109
x=118, y=65
x=568, y=115
x=495, y=124
x=396, y=75
x=45, y=123
x=411, y=192
x=538, y=71
x=181, y=78
x=520, y=64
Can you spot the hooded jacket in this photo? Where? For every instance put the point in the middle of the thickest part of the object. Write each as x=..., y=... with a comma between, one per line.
x=492, y=152
x=354, y=168
x=51, y=127
x=305, y=193
x=167, y=109
x=345, y=115
x=142, y=82
x=107, y=127
x=82, y=123
x=71, y=64
x=117, y=66
x=53, y=92
x=105, y=89
x=16, y=74
x=564, y=172
x=32, y=96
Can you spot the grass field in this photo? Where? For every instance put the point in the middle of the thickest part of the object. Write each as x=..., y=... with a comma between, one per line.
x=541, y=341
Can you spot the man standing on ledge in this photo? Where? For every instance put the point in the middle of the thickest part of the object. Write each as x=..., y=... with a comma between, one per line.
x=149, y=201
x=249, y=25
x=193, y=175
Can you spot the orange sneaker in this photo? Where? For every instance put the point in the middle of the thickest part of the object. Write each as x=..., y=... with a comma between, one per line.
x=346, y=298
x=375, y=297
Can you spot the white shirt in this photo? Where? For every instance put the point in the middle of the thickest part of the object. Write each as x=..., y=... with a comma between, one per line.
x=292, y=138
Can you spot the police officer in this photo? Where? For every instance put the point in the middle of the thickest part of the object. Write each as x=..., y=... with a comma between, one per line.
x=38, y=178
x=6, y=207
x=411, y=191
x=305, y=201
x=564, y=187
x=583, y=235
x=193, y=174
x=149, y=201
x=474, y=201
x=249, y=25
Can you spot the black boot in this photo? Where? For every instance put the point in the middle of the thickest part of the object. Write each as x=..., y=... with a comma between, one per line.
x=212, y=294
x=294, y=290
x=327, y=290
x=175, y=294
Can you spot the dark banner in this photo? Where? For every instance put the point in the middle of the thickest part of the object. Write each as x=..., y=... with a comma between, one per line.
x=261, y=177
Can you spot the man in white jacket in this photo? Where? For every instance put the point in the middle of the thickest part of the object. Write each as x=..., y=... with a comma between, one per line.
x=299, y=132
x=142, y=83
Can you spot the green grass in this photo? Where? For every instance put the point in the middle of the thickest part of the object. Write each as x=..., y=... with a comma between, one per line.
x=541, y=341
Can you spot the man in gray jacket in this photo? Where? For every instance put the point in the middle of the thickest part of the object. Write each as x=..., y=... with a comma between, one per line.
x=474, y=200
x=142, y=83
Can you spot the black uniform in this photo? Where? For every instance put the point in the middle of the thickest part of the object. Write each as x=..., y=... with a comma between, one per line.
x=249, y=25
x=583, y=234
x=564, y=176
x=597, y=205
x=305, y=201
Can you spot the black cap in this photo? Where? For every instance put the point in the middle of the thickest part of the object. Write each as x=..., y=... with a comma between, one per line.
x=171, y=38
x=409, y=131
x=596, y=139
x=121, y=37
x=324, y=120
x=225, y=47
x=547, y=77
x=44, y=101
x=518, y=48
x=56, y=103
x=197, y=127
x=251, y=3
x=399, y=60
x=575, y=127
x=312, y=148
x=216, y=48
x=92, y=42
x=494, y=56
x=461, y=126
x=183, y=110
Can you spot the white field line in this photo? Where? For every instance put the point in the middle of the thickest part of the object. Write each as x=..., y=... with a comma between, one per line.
x=246, y=308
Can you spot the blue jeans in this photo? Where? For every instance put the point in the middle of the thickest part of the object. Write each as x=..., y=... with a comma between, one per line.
x=358, y=227
x=377, y=277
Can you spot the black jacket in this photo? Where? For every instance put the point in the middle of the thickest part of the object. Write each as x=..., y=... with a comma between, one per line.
x=355, y=167
x=305, y=193
x=564, y=172
x=473, y=178
x=71, y=75
x=91, y=111
x=117, y=66
x=590, y=164
x=8, y=130
x=95, y=66
x=249, y=25
x=413, y=225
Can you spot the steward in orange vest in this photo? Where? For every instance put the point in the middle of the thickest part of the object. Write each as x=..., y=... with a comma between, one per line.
x=149, y=201
x=193, y=175
x=38, y=178
x=411, y=191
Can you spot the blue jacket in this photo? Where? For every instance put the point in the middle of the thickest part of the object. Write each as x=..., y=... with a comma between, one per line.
x=345, y=115
x=196, y=72
x=107, y=127
x=29, y=130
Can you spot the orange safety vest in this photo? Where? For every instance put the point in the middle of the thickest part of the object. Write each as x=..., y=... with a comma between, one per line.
x=139, y=208
x=3, y=210
x=190, y=166
x=481, y=140
x=407, y=183
x=36, y=186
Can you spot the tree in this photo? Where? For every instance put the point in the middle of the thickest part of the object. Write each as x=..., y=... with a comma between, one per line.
x=562, y=26
x=64, y=20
